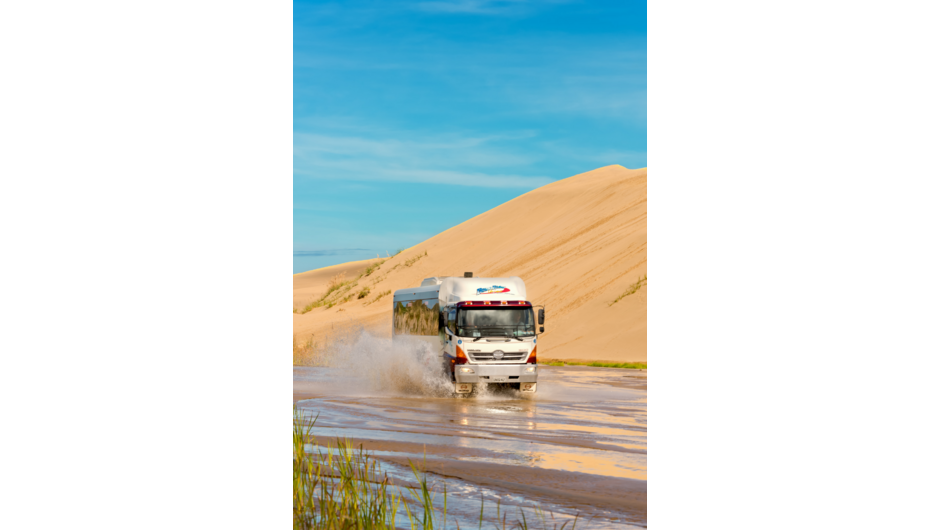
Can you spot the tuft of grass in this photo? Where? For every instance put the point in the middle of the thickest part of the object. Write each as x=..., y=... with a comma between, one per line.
x=379, y=297
x=372, y=268
x=338, y=288
x=640, y=282
x=343, y=488
x=335, y=283
x=413, y=260
x=599, y=364
x=335, y=289
x=308, y=353
x=339, y=488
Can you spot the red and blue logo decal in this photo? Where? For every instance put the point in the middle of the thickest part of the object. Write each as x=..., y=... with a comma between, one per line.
x=493, y=289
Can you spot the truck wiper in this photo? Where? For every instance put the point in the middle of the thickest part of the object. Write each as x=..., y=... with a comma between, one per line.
x=493, y=337
x=498, y=337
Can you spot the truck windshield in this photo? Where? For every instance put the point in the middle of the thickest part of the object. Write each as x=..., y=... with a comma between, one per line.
x=495, y=322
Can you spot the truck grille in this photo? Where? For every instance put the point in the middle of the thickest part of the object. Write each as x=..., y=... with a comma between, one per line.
x=510, y=356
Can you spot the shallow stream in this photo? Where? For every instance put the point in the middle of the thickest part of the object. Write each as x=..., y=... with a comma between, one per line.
x=575, y=447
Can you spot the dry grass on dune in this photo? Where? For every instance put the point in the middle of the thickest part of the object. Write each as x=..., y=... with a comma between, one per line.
x=308, y=352
x=579, y=244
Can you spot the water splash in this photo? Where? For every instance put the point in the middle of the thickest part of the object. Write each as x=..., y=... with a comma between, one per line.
x=406, y=366
x=401, y=366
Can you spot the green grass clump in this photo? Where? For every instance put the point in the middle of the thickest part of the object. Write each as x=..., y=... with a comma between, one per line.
x=338, y=289
x=412, y=261
x=336, y=282
x=341, y=488
x=308, y=353
x=338, y=489
x=372, y=268
x=632, y=366
x=599, y=364
x=335, y=290
x=381, y=277
x=379, y=297
x=630, y=290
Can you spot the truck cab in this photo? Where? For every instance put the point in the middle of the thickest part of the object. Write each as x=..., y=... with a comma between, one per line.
x=486, y=329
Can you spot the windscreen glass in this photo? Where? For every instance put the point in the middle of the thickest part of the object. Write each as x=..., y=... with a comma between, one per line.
x=495, y=322
x=452, y=320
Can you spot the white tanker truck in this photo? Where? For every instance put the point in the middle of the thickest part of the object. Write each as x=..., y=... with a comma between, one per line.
x=484, y=328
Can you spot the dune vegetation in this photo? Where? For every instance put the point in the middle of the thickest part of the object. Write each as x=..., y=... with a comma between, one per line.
x=339, y=290
x=599, y=364
x=338, y=487
x=380, y=296
x=309, y=352
x=640, y=282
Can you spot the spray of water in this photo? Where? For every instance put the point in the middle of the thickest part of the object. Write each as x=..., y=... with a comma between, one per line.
x=400, y=366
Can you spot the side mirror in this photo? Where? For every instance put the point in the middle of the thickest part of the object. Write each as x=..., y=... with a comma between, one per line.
x=541, y=329
x=541, y=316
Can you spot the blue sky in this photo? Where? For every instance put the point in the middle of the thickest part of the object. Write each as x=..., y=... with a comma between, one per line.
x=412, y=117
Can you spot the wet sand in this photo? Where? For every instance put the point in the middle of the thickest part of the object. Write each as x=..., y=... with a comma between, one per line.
x=578, y=446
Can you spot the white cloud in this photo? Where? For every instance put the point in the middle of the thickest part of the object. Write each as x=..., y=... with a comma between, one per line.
x=481, y=7
x=601, y=77
x=429, y=161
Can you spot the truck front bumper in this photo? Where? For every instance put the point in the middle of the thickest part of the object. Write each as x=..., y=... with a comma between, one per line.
x=496, y=373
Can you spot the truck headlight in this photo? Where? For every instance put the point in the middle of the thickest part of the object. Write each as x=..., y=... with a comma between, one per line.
x=466, y=370
x=530, y=369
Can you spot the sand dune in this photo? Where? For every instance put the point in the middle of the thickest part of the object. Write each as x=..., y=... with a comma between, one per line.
x=578, y=243
x=310, y=285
